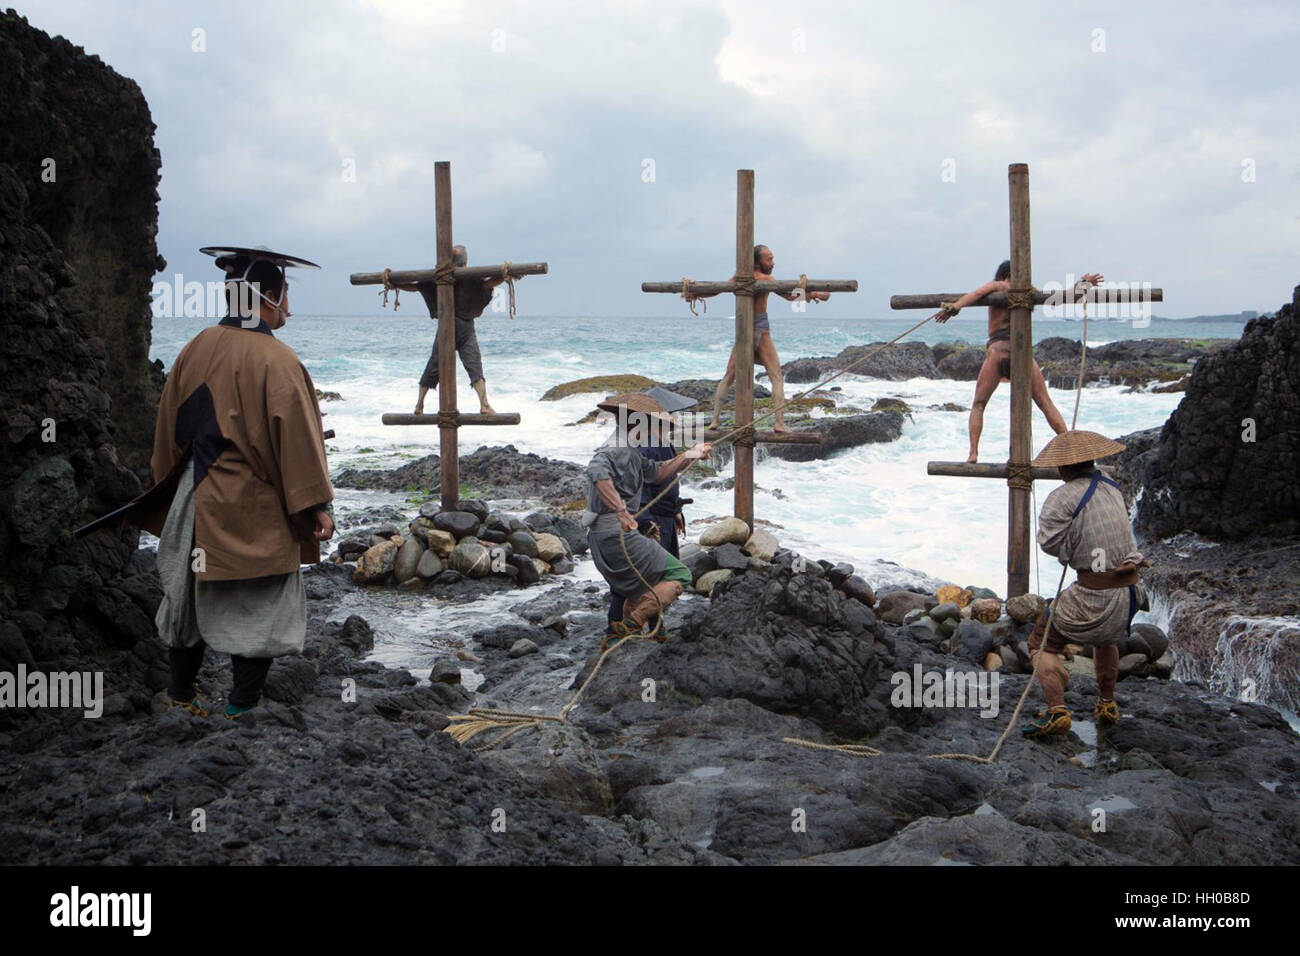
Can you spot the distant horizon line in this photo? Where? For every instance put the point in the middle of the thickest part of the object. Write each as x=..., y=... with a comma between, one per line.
x=1225, y=317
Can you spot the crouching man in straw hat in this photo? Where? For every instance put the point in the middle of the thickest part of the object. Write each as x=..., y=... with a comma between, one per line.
x=615, y=476
x=239, y=435
x=1085, y=524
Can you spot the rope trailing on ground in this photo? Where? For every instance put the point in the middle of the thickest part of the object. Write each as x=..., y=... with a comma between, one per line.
x=476, y=720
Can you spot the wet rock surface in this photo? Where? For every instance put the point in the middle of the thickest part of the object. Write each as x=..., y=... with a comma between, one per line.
x=1185, y=777
x=500, y=472
x=1216, y=506
x=1134, y=362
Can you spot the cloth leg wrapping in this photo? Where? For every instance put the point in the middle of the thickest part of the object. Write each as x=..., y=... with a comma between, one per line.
x=185, y=664
x=1105, y=662
x=250, y=677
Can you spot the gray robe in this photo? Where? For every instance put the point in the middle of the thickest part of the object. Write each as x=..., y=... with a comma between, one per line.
x=1100, y=535
x=253, y=617
x=629, y=470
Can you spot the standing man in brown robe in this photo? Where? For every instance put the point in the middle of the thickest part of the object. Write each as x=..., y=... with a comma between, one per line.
x=997, y=360
x=239, y=434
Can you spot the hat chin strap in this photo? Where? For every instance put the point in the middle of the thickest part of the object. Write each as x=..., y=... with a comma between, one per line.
x=262, y=295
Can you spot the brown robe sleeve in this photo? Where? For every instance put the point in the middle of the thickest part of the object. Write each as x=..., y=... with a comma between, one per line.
x=298, y=443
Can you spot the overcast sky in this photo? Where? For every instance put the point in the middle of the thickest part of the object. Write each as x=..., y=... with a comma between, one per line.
x=1162, y=140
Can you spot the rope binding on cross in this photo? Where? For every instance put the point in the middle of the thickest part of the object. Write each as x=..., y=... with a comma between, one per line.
x=1021, y=298
x=1020, y=474
x=509, y=280
x=397, y=293
x=691, y=298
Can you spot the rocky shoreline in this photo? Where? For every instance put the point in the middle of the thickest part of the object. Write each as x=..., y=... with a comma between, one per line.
x=691, y=767
x=1158, y=364
x=1217, y=510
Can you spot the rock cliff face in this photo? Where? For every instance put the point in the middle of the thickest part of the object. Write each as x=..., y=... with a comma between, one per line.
x=76, y=254
x=1219, y=515
x=79, y=138
x=1226, y=463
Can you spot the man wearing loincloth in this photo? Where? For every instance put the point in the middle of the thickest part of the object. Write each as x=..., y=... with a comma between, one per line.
x=472, y=296
x=764, y=347
x=616, y=476
x=997, y=360
x=1085, y=524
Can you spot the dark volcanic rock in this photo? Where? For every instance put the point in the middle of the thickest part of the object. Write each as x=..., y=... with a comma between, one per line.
x=961, y=364
x=501, y=472
x=462, y=524
x=572, y=532
x=730, y=556
x=895, y=363
x=841, y=431
x=63, y=105
x=1206, y=477
x=1126, y=362
x=791, y=644
x=704, y=389
x=376, y=775
x=77, y=253
x=1217, y=514
x=1132, y=362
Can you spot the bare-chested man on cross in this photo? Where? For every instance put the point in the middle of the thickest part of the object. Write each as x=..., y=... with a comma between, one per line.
x=764, y=347
x=997, y=360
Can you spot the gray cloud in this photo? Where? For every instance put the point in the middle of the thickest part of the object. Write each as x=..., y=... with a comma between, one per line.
x=847, y=113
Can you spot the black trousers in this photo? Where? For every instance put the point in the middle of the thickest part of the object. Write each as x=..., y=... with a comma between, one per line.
x=668, y=539
x=250, y=675
x=466, y=346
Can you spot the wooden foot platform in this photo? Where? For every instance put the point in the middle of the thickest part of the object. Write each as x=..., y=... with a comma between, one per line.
x=964, y=469
x=778, y=438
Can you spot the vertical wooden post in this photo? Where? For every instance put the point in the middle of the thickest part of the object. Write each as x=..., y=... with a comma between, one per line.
x=1022, y=357
x=744, y=447
x=449, y=459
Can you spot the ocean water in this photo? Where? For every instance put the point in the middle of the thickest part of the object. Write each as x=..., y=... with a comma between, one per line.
x=873, y=506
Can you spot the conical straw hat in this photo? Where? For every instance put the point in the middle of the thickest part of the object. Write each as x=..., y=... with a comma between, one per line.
x=1070, y=448
x=636, y=402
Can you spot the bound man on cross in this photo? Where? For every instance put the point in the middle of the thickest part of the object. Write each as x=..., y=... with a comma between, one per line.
x=997, y=360
x=472, y=297
x=764, y=347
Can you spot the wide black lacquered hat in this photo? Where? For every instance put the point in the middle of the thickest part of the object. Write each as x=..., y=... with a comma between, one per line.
x=231, y=258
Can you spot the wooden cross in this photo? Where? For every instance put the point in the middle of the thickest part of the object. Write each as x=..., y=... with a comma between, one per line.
x=1021, y=300
x=449, y=418
x=744, y=291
